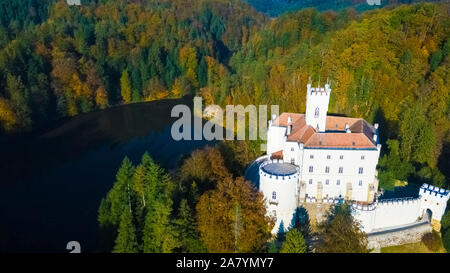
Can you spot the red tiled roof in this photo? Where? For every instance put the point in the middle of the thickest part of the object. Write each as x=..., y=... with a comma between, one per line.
x=278, y=154
x=361, y=135
x=339, y=140
x=338, y=123
x=282, y=119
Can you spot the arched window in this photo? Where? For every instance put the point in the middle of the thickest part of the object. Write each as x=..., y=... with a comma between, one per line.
x=274, y=195
x=316, y=112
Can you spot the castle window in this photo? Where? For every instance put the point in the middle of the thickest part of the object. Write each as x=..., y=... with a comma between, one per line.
x=311, y=156
x=360, y=170
x=341, y=157
x=363, y=157
x=311, y=169
x=316, y=112
x=327, y=169
x=310, y=181
x=360, y=183
x=338, y=182
x=292, y=149
x=274, y=195
x=341, y=169
x=328, y=156
x=327, y=181
x=292, y=161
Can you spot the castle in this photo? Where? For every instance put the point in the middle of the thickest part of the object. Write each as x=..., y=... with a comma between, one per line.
x=317, y=158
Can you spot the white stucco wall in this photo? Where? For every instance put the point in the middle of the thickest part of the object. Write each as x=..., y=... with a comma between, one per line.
x=434, y=199
x=314, y=100
x=391, y=213
x=286, y=199
x=350, y=163
x=275, y=138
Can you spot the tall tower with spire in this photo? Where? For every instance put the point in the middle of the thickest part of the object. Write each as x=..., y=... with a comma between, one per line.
x=317, y=100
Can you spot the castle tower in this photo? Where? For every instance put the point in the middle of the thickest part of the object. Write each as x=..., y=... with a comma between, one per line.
x=434, y=199
x=278, y=183
x=317, y=100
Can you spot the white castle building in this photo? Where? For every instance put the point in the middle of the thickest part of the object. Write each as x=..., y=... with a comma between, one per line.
x=317, y=158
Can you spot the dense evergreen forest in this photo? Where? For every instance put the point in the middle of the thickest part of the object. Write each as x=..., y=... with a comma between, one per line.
x=388, y=65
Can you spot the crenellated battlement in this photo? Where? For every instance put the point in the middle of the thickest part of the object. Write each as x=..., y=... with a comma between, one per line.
x=398, y=201
x=319, y=91
x=277, y=169
x=434, y=192
x=386, y=203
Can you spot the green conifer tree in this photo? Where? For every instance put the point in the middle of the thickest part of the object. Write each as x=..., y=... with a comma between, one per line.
x=295, y=243
x=126, y=239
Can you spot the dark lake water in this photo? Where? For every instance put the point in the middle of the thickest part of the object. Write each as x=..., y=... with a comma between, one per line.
x=52, y=180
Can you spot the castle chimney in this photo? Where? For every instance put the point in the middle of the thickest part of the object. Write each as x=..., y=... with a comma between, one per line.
x=347, y=128
x=375, y=137
x=289, y=120
x=289, y=128
x=375, y=126
x=274, y=117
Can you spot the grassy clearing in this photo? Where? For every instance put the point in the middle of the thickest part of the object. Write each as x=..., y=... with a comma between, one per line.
x=418, y=247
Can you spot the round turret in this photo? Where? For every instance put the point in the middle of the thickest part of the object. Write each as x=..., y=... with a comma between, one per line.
x=278, y=183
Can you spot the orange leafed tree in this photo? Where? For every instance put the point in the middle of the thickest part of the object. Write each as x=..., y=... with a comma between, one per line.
x=232, y=218
x=8, y=118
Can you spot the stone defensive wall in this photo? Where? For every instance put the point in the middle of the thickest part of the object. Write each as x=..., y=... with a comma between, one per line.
x=399, y=236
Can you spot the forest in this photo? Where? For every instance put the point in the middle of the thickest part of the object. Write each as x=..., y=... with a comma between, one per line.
x=278, y=7
x=204, y=207
x=388, y=65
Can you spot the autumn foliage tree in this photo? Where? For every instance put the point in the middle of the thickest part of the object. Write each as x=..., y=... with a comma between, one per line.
x=232, y=218
x=205, y=166
x=125, y=87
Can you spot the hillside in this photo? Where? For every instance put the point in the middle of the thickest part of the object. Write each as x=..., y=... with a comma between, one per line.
x=82, y=58
x=278, y=7
x=388, y=65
